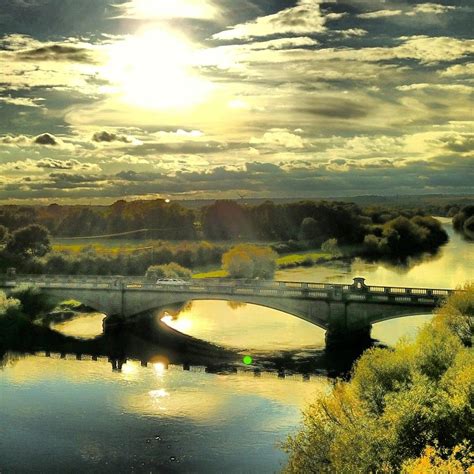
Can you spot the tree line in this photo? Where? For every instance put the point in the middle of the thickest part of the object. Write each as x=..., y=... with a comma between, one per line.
x=374, y=232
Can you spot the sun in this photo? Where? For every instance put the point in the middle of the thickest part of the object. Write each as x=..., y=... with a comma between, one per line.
x=153, y=70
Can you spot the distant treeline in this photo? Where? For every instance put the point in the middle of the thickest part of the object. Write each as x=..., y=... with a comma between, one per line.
x=220, y=221
x=138, y=219
x=374, y=232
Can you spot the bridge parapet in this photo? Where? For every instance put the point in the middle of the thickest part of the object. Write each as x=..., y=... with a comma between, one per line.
x=357, y=291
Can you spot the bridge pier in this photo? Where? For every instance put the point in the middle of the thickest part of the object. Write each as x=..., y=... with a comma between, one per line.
x=346, y=330
x=348, y=339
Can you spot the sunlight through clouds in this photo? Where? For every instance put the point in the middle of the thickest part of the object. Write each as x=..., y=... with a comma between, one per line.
x=152, y=70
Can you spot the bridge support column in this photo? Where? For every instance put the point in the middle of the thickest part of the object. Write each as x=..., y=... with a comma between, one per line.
x=343, y=332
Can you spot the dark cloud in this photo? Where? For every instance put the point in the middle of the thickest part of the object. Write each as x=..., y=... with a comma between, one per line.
x=57, y=52
x=444, y=173
x=257, y=167
x=109, y=137
x=46, y=139
x=336, y=108
x=134, y=176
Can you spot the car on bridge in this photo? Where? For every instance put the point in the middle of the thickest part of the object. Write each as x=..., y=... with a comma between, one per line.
x=170, y=281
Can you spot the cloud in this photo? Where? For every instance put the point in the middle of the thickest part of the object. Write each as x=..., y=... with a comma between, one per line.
x=431, y=8
x=22, y=101
x=46, y=139
x=27, y=63
x=279, y=138
x=108, y=137
x=37, y=166
x=57, y=52
x=14, y=140
x=304, y=18
x=421, y=8
x=352, y=32
x=425, y=49
x=379, y=14
x=297, y=179
x=336, y=108
x=459, y=88
x=459, y=70
x=49, y=163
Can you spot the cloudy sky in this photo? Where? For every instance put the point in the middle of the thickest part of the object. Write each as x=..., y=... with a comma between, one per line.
x=108, y=99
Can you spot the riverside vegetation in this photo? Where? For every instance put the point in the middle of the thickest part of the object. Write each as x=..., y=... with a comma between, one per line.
x=291, y=230
x=463, y=221
x=408, y=409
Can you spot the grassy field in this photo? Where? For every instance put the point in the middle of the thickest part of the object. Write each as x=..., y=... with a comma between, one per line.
x=117, y=246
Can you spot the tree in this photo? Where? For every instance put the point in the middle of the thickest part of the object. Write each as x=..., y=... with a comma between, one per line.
x=399, y=404
x=3, y=234
x=330, y=246
x=29, y=241
x=33, y=301
x=8, y=306
x=309, y=229
x=250, y=261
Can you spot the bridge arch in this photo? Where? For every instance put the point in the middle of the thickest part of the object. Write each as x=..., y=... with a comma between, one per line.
x=320, y=322
x=315, y=312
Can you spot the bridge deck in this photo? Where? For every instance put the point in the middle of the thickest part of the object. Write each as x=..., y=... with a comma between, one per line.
x=357, y=291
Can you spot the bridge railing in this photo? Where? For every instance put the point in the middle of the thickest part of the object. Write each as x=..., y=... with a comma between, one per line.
x=358, y=290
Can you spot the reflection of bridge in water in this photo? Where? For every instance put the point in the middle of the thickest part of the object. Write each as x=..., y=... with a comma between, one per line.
x=160, y=365
x=345, y=311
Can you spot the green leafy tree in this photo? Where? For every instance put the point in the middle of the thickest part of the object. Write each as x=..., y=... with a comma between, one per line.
x=33, y=301
x=29, y=241
x=3, y=234
x=330, y=246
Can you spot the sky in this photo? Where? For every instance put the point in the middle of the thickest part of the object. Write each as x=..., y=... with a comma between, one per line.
x=184, y=99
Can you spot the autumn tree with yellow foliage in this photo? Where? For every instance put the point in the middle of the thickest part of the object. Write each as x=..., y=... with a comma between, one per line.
x=250, y=261
x=409, y=409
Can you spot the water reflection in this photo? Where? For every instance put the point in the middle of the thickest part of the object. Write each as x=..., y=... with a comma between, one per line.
x=450, y=267
x=84, y=326
x=249, y=327
x=140, y=421
x=152, y=343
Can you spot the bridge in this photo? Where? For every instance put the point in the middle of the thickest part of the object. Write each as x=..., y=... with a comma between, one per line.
x=345, y=311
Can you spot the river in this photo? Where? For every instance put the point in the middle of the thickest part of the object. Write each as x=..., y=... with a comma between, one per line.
x=67, y=415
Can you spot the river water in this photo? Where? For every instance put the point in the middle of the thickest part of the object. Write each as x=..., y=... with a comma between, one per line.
x=68, y=415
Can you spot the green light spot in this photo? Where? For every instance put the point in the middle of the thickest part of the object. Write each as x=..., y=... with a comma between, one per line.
x=247, y=360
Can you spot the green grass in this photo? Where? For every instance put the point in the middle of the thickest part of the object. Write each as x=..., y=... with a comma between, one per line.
x=296, y=259
x=211, y=274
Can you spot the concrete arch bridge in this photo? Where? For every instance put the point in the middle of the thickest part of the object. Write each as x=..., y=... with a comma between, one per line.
x=345, y=311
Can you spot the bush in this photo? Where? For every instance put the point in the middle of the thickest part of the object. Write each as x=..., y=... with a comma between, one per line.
x=330, y=246
x=8, y=306
x=250, y=261
x=170, y=270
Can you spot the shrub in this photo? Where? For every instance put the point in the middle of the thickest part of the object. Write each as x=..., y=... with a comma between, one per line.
x=170, y=270
x=250, y=261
